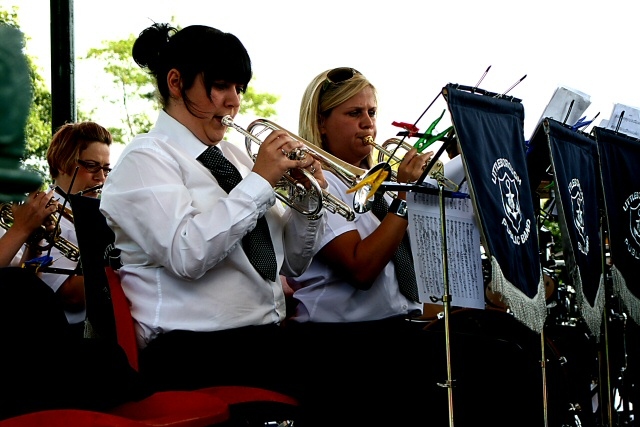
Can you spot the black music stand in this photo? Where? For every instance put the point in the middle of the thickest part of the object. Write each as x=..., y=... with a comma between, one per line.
x=572, y=159
x=96, y=244
x=489, y=128
x=619, y=158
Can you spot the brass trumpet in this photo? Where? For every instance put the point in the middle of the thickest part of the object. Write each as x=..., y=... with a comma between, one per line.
x=308, y=201
x=52, y=239
x=392, y=145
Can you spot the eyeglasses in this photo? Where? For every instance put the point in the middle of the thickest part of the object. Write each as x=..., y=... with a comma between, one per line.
x=94, y=167
x=339, y=75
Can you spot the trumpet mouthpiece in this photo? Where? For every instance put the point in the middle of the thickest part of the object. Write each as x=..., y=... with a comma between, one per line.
x=368, y=140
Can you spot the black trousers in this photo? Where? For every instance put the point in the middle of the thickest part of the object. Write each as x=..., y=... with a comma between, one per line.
x=343, y=374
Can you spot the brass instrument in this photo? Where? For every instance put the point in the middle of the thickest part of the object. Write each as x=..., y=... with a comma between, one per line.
x=52, y=238
x=96, y=189
x=386, y=154
x=291, y=191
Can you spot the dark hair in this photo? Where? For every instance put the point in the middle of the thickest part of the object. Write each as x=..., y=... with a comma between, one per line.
x=69, y=141
x=193, y=50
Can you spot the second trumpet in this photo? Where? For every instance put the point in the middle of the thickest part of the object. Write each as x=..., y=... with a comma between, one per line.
x=306, y=197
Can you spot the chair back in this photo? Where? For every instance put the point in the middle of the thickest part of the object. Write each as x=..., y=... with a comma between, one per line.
x=125, y=329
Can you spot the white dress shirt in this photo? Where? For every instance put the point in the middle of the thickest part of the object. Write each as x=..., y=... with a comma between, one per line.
x=17, y=258
x=180, y=236
x=326, y=296
x=55, y=280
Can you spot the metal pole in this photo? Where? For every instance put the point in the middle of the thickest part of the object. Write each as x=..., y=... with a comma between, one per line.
x=446, y=300
x=63, y=98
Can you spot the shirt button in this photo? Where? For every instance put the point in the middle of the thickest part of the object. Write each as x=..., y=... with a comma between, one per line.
x=405, y=306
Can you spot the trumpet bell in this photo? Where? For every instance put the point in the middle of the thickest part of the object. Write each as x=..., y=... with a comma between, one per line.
x=362, y=203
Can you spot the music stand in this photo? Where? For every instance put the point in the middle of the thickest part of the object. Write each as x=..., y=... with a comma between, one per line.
x=488, y=127
x=572, y=158
x=96, y=244
x=619, y=158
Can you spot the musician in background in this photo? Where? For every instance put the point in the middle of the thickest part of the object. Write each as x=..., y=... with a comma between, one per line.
x=202, y=302
x=353, y=276
x=78, y=158
x=350, y=296
x=28, y=216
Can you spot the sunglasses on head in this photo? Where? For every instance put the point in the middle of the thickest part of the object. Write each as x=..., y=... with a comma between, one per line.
x=339, y=75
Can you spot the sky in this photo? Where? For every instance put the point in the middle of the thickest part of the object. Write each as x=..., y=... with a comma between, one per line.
x=408, y=49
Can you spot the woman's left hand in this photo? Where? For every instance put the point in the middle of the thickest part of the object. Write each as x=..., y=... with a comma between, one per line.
x=412, y=165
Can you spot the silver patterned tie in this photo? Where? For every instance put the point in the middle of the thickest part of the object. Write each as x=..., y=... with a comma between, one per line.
x=402, y=258
x=257, y=243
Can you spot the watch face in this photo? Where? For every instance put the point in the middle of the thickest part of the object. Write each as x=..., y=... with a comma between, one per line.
x=402, y=209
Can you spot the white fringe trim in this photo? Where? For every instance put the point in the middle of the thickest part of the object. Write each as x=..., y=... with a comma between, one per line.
x=591, y=315
x=531, y=312
x=630, y=301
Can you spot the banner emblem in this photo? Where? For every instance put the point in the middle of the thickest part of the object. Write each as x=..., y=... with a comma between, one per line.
x=577, y=206
x=509, y=182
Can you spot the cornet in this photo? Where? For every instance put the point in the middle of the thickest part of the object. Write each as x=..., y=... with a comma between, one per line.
x=308, y=201
x=386, y=154
x=53, y=238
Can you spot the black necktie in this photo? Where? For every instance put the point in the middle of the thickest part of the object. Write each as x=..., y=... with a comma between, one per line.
x=402, y=259
x=257, y=243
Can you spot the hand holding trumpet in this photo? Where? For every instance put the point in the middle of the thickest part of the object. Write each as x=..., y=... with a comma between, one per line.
x=412, y=165
x=37, y=210
x=280, y=153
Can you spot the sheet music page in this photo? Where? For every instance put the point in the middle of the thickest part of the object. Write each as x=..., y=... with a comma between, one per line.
x=630, y=124
x=464, y=261
x=559, y=104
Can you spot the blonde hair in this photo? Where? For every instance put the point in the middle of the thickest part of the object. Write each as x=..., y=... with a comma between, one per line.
x=321, y=97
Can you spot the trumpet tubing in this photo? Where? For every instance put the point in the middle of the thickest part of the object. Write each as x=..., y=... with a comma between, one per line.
x=386, y=154
x=293, y=192
x=53, y=239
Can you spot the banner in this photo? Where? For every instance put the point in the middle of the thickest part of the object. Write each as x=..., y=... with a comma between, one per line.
x=619, y=163
x=574, y=160
x=490, y=134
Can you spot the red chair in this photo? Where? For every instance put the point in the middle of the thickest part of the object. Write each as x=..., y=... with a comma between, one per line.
x=248, y=405
x=69, y=417
x=165, y=409
x=108, y=312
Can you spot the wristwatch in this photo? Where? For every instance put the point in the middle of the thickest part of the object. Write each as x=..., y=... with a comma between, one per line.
x=399, y=207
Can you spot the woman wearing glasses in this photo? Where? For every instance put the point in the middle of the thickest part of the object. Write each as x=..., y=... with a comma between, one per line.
x=78, y=158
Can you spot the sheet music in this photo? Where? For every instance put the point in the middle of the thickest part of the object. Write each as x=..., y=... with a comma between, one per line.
x=630, y=124
x=559, y=104
x=466, y=284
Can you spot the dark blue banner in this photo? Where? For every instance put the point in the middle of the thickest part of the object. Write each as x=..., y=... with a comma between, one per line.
x=574, y=160
x=620, y=172
x=491, y=138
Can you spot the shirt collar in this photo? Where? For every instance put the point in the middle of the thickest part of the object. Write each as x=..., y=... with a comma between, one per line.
x=180, y=134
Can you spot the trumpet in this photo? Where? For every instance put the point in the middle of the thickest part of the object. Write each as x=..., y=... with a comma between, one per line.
x=386, y=155
x=52, y=239
x=308, y=201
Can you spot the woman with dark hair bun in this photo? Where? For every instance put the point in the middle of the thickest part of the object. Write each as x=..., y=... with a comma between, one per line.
x=203, y=240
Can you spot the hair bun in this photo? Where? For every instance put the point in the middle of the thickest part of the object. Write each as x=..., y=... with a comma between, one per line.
x=150, y=43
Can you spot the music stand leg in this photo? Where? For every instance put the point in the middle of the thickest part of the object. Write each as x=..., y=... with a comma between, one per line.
x=543, y=366
x=446, y=301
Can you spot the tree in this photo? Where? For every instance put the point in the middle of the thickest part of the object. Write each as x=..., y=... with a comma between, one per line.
x=38, y=129
x=135, y=91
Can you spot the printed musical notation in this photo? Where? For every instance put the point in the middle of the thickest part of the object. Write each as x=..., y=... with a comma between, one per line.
x=464, y=262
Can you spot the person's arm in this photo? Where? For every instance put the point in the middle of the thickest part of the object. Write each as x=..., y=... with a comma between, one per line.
x=27, y=217
x=362, y=260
